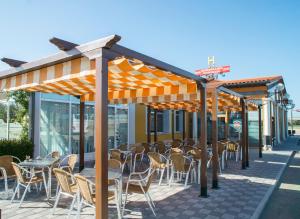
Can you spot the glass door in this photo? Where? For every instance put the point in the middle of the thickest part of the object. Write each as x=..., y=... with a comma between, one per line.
x=121, y=126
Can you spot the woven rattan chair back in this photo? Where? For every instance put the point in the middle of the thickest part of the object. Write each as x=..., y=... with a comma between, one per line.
x=146, y=147
x=154, y=160
x=5, y=162
x=195, y=153
x=178, y=162
x=176, y=144
x=72, y=161
x=18, y=172
x=232, y=146
x=123, y=147
x=64, y=180
x=85, y=189
x=114, y=164
x=115, y=154
x=161, y=147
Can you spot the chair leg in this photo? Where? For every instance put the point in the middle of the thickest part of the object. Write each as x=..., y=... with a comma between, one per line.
x=117, y=204
x=72, y=205
x=186, y=179
x=56, y=202
x=23, y=196
x=16, y=190
x=161, y=176
x=126, y=194
x=149, y=203
x=171, y=178
x=199, y=171
x=79, y=208
x=6, y=187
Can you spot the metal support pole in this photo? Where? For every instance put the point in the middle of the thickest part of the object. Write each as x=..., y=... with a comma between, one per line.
x=259, y=132
x=81, y=136
x=148, y=125
x=183, y=125
x=155, y=125
x=247, y=136
x=244, y=130
x=172, y=121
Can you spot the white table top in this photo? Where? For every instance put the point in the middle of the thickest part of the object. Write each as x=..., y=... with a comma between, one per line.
x=91, y=173
x=38, y=163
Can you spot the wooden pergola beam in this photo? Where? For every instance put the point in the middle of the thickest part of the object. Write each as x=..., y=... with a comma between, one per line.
x=214, y=137
x=62, y=44
x=101, y=138
x=13, y=62
x=203, y=141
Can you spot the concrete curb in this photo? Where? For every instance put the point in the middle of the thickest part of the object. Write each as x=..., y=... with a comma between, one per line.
x=267, y=196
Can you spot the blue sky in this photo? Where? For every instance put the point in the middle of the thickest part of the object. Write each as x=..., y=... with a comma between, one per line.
x=256, y=38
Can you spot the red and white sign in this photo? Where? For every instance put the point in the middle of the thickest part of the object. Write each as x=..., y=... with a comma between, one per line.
x=216, y=70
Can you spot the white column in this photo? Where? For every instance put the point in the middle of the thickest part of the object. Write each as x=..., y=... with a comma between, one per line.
x=131, y=123
x=277, y=120
x=266, y=122
x=195, y=127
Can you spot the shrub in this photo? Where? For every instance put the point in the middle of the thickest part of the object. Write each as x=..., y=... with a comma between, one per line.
x=19, y=148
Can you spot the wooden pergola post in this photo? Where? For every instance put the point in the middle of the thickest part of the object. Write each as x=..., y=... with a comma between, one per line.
x=244, y=130
x=259, y=132
x=247, y=137
x=203, y=141
x=101, y=137
x=214, y=136
x=172, y=124
x=155, y=125
x=148, y=125
x=183, y=125
x=227, y=121
x=81, y=135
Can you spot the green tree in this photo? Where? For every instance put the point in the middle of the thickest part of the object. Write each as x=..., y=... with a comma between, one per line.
x=20, y=110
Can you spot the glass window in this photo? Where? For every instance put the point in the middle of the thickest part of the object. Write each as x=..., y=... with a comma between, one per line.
x=51, y=96
x=3, y=120
x=54, y=128
x=162, y=121
x=178, y=121
x=111, y=127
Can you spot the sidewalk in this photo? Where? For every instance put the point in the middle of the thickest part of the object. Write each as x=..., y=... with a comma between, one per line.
x=284, y=202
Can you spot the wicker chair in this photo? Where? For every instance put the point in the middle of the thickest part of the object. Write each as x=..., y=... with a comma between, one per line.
x=7, y=170
x=196, y=155
x=53, y=154
x=176, y=143
x=25, y=179
x=160, y=147
x=70, y=160
x=113, y=164
x=123, y=147
x=233, y=148
x=89, y=197
x=116, y=154
x=221, y=154
x=138, y=151
x=141, y=186
x=181, y=165
x=160, y=163
x=67, y=187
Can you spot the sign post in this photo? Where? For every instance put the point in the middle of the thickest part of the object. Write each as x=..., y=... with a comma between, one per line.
x=213, y=71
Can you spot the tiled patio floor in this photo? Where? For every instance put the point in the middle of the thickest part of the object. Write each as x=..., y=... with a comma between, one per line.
x=239, y=195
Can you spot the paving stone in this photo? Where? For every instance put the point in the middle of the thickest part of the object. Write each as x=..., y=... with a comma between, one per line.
x=240, y=194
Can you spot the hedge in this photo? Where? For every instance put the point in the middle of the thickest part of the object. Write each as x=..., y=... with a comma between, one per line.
x=19, y=148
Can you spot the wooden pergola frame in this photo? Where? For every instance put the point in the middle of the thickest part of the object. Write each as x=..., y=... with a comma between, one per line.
x=102, y=52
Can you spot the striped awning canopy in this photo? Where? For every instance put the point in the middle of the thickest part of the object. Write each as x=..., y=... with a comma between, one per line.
x=130, y=80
